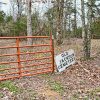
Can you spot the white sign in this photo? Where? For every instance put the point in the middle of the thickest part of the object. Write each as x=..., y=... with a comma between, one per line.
x=65, y=59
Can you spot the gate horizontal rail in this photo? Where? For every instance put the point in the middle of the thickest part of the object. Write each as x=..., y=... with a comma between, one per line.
x=25, y=60
x=25, y=53
x=24, y=46
x=32, y=66
x=21, y=37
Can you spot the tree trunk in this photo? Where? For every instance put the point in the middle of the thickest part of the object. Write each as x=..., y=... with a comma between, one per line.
x=65, y=24
x=89, y=31
x=29, y=22
x=69, y=20
x=86, y=34
x=60, y=7
x=83, y=19
x=19, y=6
x=75, y=20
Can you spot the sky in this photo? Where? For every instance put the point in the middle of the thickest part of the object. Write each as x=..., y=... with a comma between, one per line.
x=40, y=6
x=5, y=7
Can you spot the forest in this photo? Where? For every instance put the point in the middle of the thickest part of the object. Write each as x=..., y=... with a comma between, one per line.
x=70, y=24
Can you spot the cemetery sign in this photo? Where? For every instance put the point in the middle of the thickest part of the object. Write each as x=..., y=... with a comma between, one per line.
x=65, y=59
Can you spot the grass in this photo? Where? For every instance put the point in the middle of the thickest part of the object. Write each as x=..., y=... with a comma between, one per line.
x=10, y=86
x=94, y=93
x=56, y=86
x=3, y=66
x=45, y=75
x=1, y=95
x=77, y=96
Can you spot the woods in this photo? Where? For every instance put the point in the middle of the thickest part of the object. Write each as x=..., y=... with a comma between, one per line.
x=49, y=49
x=60, y=19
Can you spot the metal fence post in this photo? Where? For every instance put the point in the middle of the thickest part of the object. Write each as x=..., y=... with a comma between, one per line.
x=18, y=57
x=52, y=51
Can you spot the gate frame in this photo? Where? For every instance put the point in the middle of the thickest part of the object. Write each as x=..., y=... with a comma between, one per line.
x=19, y=67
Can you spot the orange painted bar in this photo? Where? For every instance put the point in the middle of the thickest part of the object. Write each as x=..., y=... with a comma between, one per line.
x=8, y=55
x=21, y=37
x=37, y=73
x=8, y=78
x=2, y=79
x=24, y=66
x=36, y=64
x=36, y=59
x=35, y=45
x=25, y=60
x=9, y=74
x=36, y=69
x=8, y=62
x=25, y=46
x=25, y=53
x=3, y=69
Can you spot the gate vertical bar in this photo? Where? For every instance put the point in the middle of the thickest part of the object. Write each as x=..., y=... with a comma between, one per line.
x=18, y=56
x=52, y=50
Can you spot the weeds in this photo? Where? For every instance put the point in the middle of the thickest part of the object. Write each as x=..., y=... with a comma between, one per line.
x=56, y=87
x=10, y=86
x=3, y=66
x=1, y=95
x=45, y=75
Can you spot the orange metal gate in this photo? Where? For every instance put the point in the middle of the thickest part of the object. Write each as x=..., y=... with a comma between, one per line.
x=20, y=60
